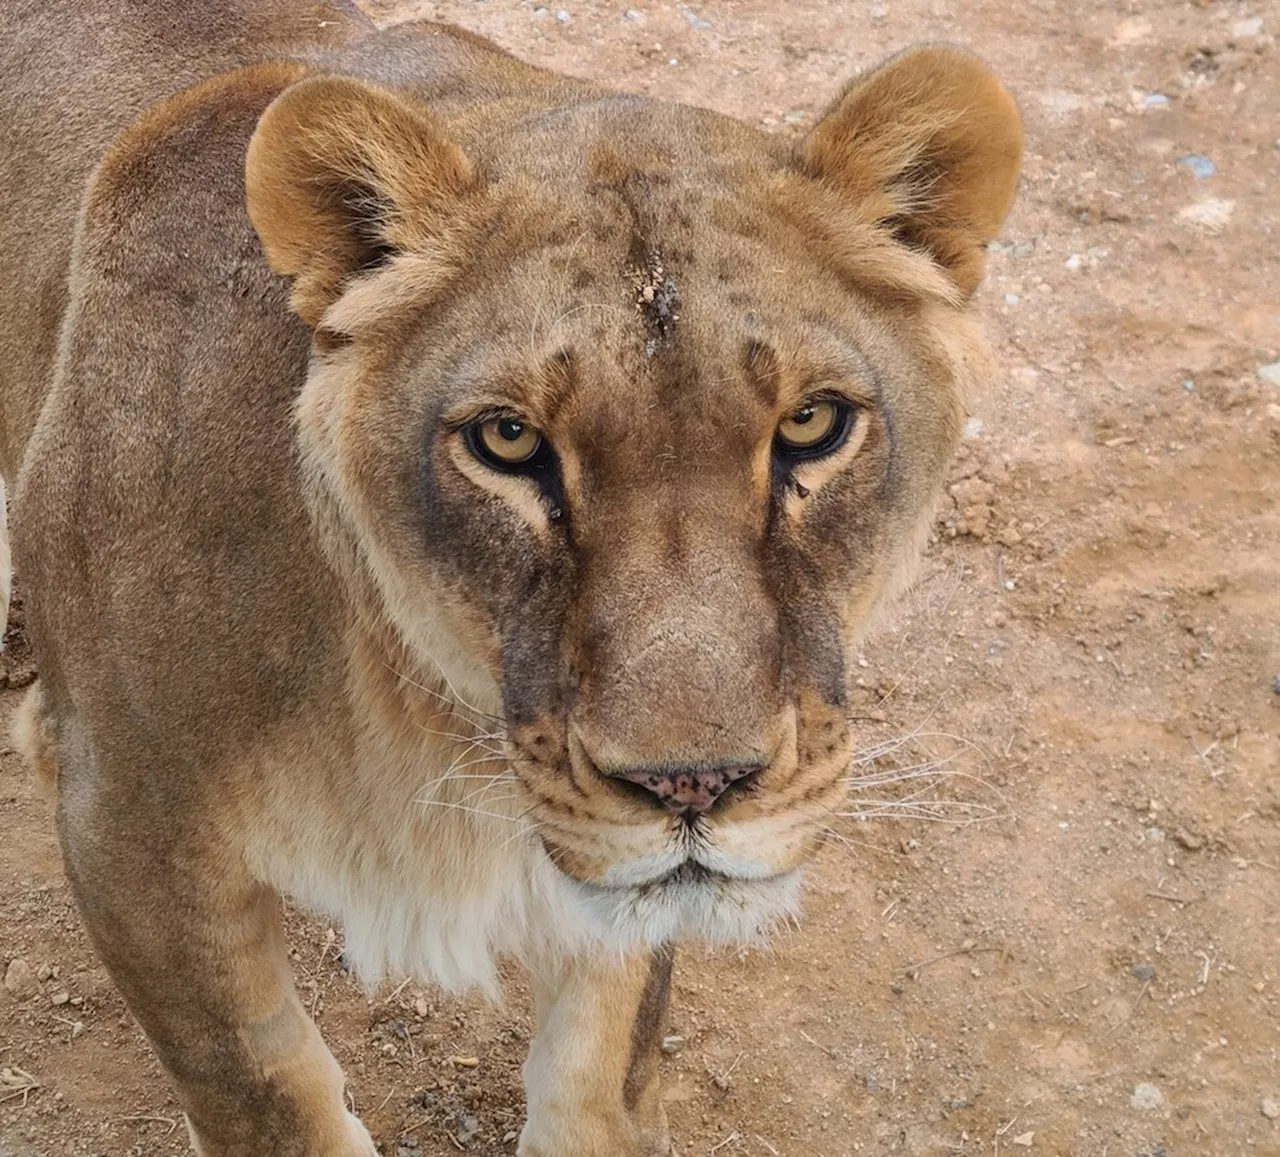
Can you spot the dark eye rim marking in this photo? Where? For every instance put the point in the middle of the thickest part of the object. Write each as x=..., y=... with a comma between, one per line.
x=789, y=454
x=541, y=466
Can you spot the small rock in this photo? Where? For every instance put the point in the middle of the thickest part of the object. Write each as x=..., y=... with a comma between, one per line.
x=1008, y=537
x=421, y=1007
x=1147, y=1098
x=1011, y=299
x=60, y=998
x=20, y=980
x=1143, y=972
x=1190, y=840
x=1270, y=1109
x=972, y=429
x=1155, y=100
x=1270, y=373
x=1247, y=29
x=77, y=1029
x=672, y=1044
x=871, y=1083
x=1198, y=165
x=1026, y=1140
x=563, y=15
x=696, y=21
x=1074, y=262
x=465, y=1129
x=1211, y=214
x=1130, y=31
x=43, y=973
x=633, y=14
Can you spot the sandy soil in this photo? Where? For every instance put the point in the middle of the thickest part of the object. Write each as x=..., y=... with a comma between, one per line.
x=1067, y=940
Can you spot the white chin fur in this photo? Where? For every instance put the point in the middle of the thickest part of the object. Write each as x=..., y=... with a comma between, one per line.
x=548, y=914
x=690, y=906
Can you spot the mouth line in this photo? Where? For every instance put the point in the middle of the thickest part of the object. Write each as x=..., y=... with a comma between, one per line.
x=689, y=873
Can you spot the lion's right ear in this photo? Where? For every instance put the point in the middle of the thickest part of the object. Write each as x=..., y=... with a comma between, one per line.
x=340, y=176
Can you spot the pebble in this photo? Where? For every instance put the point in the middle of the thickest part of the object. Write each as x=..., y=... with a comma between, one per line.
x=1270, y=1109
x=1198, y=165
x=43, y=973
x=633, y=14
x=1211, y=214
x=1146, y=1097
x=1244, y=29
x=672, y=1044
x=1270, y=373
x=59, y=998
x=1074, y=262
x=972, y=429
x=1011, y=299
x=696, y=21
x=20, y=980
x=1143, y=972
x=1155, y=100
x=563, y=15
x=466, y=1129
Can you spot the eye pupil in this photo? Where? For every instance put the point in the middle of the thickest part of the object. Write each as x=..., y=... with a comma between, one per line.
x=803, y=417
x=510, y=430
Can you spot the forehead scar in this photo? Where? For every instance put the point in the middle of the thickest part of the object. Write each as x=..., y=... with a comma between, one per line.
x=657, y=299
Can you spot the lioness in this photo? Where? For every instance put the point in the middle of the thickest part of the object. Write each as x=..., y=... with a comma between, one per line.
x=449, y=493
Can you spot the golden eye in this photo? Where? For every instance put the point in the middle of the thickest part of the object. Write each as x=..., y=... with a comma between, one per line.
x=506, y=441
x=816, y=428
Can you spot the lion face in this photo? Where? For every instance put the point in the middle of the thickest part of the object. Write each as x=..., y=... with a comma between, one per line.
x=629, y=437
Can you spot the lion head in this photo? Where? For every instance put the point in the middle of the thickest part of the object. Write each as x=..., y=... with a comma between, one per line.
x=626, y=417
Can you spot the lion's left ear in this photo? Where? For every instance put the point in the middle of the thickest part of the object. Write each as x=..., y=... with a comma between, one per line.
x=340, y=176
x=929, y=145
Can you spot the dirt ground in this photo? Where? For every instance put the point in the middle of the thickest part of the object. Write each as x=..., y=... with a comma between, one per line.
x=1063, y=938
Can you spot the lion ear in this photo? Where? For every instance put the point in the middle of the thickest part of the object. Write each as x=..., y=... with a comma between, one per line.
x=928, y=145
x=340, y=176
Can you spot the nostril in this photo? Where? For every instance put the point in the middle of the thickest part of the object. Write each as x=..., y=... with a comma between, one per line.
x=688, y=789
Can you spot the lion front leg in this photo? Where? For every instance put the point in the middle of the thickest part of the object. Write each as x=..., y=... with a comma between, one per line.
x=592, y=1073
x=195, y=947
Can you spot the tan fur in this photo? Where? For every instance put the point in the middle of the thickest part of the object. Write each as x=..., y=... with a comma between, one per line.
x=296, y=638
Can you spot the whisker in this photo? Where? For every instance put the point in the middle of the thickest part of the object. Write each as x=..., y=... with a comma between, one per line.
x=462, y=807
x=451, y=703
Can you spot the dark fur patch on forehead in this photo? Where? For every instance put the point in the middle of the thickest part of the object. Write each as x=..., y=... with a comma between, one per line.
x=763, y=370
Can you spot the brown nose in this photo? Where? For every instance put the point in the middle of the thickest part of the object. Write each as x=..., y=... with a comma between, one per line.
x=685, y=789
